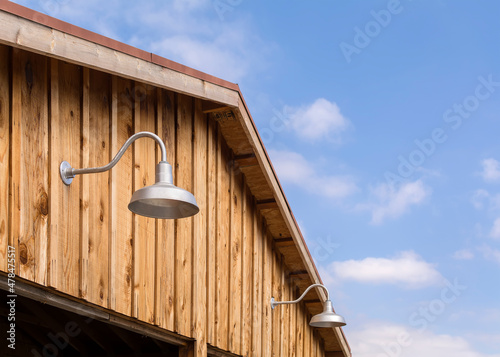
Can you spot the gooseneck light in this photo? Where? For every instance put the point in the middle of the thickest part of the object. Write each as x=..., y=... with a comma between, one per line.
x=327, y=318
x=161, y=200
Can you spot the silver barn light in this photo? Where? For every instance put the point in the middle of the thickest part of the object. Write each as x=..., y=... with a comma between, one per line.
x=161, y=200
x=327, y=318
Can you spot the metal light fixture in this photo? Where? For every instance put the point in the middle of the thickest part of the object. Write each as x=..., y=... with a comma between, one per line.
x=161, y=200
x=327, y=318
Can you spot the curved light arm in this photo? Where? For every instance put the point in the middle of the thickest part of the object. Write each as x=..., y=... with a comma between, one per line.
x=274, y=303
x=68, y=173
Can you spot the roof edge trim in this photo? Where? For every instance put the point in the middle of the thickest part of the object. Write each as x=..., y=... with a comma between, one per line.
x=88, y=35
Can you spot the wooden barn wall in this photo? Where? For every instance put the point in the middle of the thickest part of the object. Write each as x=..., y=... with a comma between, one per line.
x=209, y=277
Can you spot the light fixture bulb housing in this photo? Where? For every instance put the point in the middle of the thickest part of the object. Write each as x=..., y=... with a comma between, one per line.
x=163, y=199
x=327, y=318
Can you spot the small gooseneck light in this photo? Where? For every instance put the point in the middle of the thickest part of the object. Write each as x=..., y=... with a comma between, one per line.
x=161, y=200
x=327, y=318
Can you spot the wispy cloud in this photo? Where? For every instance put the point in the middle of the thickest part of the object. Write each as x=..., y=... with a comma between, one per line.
x=390, y=201
x=490, y=253
x=386, y=339
x=495, y=230
x=491, y=170
x=480, y=198
x=463, y=254
x=320, y=120
x=407, y=269
x=293, y=168
x=186, y=31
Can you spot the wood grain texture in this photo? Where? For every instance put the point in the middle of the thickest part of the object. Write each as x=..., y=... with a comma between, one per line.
x=85, y=186
x=293, y=321
x=144, y=227
x=247, y=272
x=285, y=317
x=267, y=281
x=277, y=313
x=165, y=267
x=5, y=69
x=222, y=245
x=235, y=268
x=29, y=165
x=121, y=227
x=307, y=334
x=211, y=230
x=69, y=116
x=257, y=271
x=99, y=144
x=299, y=323
x=200, y=230
x=184, y=227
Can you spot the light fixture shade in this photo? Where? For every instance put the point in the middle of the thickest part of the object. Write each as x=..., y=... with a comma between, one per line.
x=327, y=318
x=163, y=200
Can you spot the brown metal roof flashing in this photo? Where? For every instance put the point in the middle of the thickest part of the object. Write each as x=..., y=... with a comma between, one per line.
x=82, y=33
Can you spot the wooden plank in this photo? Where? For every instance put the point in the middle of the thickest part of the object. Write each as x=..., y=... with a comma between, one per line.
x=257, y=182
x=5, y=85
x=200, y=230
x=246, y=160
x=165, y=254
x=266, y=294
x=68, y=126
x=184, y=227
x=247, y=264
x=121, y=227
x=235, y=269
x=257, y=271
x=277, y=313
x=222, y=245
x=307, y=333
x=211, y=229
x=285, y=318
x=99, y=143
x=293, y=323
x=143, y=302
x=19, y=32
x=299, y=323
x=85, y=186
x=29, y=165
x=314, y=344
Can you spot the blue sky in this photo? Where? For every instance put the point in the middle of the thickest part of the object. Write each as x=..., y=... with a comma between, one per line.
x=382, y=120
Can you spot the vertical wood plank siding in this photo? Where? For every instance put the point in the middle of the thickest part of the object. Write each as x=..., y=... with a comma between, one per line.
x=208, y=277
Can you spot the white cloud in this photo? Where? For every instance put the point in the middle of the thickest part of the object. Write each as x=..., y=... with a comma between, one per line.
x=483, y=199
x=491, y=170
x=319, y=120
x=392, y=202
x=384, y=339
x=495, y=230
x=490, y=253
x=406, y=269
x=463, y=254
x=479, y=198
x=295, y=169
